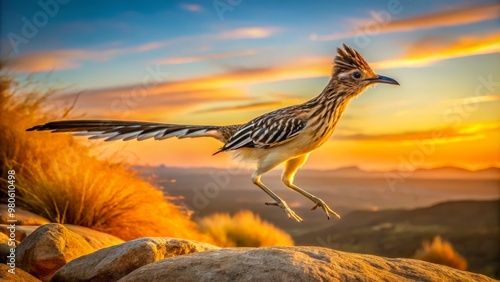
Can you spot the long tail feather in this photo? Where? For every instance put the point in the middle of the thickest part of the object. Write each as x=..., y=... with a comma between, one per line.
x=129, y=130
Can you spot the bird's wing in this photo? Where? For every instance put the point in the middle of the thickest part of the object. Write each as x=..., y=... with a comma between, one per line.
x=266, y=131
x=128, y=130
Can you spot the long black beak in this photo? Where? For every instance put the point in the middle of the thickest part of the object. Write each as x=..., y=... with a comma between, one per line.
x=382, y=79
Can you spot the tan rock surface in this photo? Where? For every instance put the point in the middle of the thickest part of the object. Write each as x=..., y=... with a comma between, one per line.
x=19, y=276
x=49, y=248
x=293, y=264
x=96, y=239
x=22, y=231
x=112, y=263
x=23, y=217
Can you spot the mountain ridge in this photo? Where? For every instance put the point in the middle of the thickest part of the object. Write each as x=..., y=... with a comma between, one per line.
x=444, y=172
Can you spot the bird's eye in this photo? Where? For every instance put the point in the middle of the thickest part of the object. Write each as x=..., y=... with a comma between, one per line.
x=356, y=75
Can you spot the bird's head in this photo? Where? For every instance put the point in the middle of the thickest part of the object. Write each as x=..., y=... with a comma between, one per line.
x=351, y=71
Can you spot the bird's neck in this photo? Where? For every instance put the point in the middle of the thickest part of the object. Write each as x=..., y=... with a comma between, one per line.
x=333, y=99
x=325, y=111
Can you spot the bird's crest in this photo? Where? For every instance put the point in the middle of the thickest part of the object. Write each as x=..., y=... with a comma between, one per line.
x=349, y=59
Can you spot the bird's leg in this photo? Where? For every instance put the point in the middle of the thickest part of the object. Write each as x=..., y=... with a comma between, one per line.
x=291, y=168
x=282, y=204
x=279, y=202
x=319, y=202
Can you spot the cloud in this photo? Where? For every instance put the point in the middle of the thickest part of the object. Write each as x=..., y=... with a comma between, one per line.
x=205, y=94
x=459, y=16
x=277, y=100
x=48, y=61
x=218, y=56
x=432, y=49
x=169, y=94
x=231, y=80
x=64, y=59
x=438, y=135
x=125, y=102
x=195, y=95
x=192, y=7
x=475, y=99
x=240, y=107
x=249, y=32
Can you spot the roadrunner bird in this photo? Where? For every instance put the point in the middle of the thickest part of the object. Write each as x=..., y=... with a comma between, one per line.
x=286, y=135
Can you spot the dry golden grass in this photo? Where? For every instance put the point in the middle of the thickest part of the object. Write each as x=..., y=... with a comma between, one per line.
x=441, y=252
x=244, y=229
x=58, y=178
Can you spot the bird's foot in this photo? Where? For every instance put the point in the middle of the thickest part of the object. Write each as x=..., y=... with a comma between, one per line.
x=325, y=207
x=289, y=211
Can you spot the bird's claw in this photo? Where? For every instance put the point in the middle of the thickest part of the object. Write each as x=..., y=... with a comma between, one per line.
x=287, y=210
x=325, y=207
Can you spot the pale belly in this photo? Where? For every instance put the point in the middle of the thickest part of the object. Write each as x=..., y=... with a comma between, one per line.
x=302, y=144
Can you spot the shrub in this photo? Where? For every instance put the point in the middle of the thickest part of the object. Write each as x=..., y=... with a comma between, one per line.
x=58, y=178
x=441, y=252
x=244, y=229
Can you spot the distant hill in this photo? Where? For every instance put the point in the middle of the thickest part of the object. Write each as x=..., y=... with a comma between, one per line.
x=492, y=173
x=471, y=226
x=432, y=173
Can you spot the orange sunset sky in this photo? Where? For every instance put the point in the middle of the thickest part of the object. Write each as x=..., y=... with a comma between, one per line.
x=192, y=63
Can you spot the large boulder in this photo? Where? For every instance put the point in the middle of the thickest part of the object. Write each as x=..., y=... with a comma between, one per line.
x=19, y=275
x=96, y=239
x=23, y=217
x=115, y=262
x=49, y=248
x=293, y=264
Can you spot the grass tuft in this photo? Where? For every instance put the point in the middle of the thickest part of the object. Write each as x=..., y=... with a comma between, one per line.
x=441, y=252
x=244, y=229
x=58, y=178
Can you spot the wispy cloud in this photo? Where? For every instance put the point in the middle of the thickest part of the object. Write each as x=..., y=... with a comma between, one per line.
x=439, y=135
x=49, y=61
x=232, y=79
x=191, y=7
x=217, y=56
x=64, y=59
x=432, y=49
x=221, y=92
x=204, y=94
x=454, y=17
x=474, y=99
x=249, y=32
x=113, y=103
x=422, y=53
x=276, y=100
x=240, y=107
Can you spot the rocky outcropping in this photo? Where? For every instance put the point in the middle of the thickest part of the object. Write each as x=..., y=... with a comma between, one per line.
x=293, y=264
x=49, y=248
x=18, y=276
x=115, y=262
x=27, y=222
x=54, y=253
x=23, y=217
x=21, y=231
x=96, y=239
